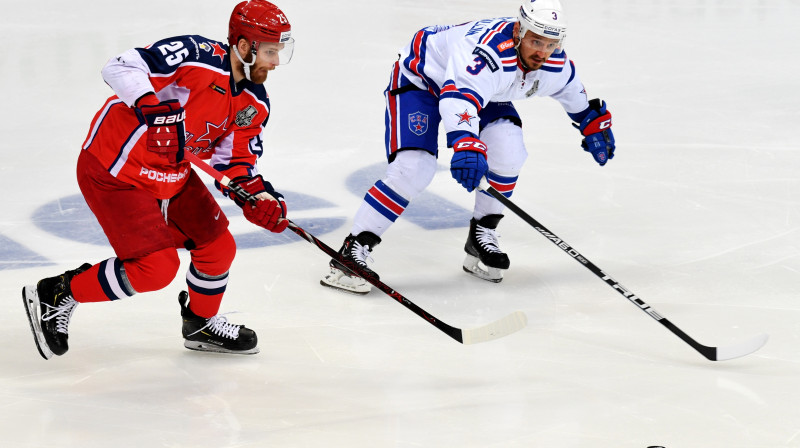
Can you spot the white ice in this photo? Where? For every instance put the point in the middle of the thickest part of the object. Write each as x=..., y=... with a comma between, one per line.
x=698, y=214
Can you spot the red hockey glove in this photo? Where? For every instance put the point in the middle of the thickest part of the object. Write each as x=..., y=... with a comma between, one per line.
x=266, y=213
x=165, y=132
x=266, y=209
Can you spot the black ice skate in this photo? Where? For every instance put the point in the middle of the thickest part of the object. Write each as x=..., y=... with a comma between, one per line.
x=484, y=258
x=49, y=306
x=356, y=251
x=215, y=334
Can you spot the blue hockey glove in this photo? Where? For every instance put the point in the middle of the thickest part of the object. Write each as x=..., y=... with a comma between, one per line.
x=596, y=129
x=468, y=165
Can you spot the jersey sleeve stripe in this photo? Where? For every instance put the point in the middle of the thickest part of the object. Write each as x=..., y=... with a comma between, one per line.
x=451, y=91
x=555, y=63
x=492, y=32
x=510, y=63
x=193, y=64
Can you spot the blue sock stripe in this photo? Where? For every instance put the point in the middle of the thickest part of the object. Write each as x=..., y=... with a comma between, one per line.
x=504, y=184
x=401, y=201
x=380, y=208
x=111, y=279
x=206, y=285
x=386, y=201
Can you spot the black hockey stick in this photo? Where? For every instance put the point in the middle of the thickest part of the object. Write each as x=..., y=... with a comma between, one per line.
x=711, y=353
x=494, y=330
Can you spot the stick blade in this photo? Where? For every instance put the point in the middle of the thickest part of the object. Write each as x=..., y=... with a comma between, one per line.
x=495, y=330
x=741, y=349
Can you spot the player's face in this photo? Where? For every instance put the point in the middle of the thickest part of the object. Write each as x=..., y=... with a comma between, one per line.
x=266, y=61
x=534, y=50
x=269, y=55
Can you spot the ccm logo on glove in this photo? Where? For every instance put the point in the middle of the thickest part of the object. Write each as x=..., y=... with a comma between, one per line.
x=468, y=165
x=596, y=129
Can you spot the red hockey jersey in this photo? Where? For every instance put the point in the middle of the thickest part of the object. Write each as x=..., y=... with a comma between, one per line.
x=223, y=122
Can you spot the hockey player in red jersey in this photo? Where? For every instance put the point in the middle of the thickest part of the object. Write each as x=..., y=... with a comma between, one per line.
x=181, y=93
x=465, y=77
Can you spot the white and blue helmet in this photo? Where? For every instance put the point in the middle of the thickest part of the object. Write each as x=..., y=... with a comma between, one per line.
x=544, y=18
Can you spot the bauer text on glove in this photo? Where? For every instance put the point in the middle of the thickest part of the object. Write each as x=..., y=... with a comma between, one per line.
x=165, y=131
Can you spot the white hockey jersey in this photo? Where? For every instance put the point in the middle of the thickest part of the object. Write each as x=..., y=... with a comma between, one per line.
x=472, y=64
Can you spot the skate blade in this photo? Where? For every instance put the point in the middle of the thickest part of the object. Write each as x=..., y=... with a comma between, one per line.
x=337, y=279
x=473, y=265
x=206, y=347
x=30, y=299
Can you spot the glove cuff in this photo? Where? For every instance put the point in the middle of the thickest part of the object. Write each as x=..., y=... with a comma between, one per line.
x=148, y=99
x=598, y=123
x=243, y=186
x=470, y=144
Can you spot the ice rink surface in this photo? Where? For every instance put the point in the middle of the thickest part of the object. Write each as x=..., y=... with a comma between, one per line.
x=698, y=214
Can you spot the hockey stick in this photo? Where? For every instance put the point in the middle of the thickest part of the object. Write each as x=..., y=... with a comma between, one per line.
x=711, y=353
x=494, y=330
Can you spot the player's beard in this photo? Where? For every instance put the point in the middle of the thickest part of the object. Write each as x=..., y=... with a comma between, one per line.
x=534, y=63
x=258, y=74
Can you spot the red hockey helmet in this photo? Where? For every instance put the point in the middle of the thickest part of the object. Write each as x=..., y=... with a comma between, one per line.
x=258, y=21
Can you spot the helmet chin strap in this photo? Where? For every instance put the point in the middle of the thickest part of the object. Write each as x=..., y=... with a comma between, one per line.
x=245, y=65
x=521, y=33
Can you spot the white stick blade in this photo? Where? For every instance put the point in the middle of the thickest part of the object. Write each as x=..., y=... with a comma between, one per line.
x=742, y=349
x=510, y=324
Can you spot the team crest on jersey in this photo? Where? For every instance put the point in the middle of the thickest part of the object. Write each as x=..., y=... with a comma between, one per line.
x=418, y=123
x=245, y=116
x=215, y=47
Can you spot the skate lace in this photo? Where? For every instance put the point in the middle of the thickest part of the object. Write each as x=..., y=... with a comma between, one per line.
x=487, y=238
x=220, y=326
x=361, y=253
x=61, y=313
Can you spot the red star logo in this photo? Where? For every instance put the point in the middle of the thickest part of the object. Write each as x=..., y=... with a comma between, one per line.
x=464, y=118
x=212, y=133
x=219, y=51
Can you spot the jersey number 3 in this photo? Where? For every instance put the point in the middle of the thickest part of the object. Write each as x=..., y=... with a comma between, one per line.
x=479, y=65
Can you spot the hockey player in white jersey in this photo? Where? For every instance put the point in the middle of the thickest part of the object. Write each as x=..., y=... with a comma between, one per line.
x=465, y=78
